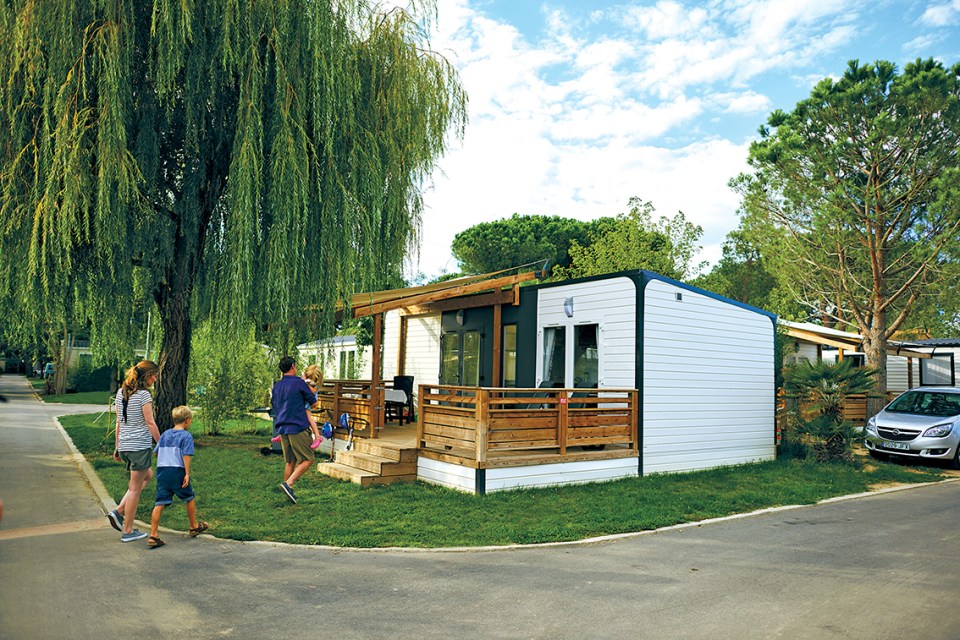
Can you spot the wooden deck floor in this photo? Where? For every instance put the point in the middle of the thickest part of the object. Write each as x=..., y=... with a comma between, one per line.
x=405, y=436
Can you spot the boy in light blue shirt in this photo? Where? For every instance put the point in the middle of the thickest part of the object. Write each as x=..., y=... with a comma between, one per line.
x=174, y=453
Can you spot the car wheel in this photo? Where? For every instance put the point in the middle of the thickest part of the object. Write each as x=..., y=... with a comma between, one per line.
x=955, y=463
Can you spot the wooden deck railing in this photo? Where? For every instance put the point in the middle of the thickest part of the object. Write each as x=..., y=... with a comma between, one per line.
x=481, y=424
x=337, y=397
x=360, y=398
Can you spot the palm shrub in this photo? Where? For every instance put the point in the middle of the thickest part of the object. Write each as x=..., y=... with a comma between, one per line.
x=816, y=391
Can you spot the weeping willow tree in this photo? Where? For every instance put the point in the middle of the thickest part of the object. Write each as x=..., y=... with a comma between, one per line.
x=238, y=161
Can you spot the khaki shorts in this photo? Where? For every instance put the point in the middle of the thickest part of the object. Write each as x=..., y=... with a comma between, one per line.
x=296, y=447
x=137, y=460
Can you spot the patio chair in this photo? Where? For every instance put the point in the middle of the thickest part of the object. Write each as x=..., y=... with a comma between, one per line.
x=395, y=410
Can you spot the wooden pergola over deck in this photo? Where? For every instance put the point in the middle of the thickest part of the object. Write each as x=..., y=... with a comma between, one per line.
x=494, y=289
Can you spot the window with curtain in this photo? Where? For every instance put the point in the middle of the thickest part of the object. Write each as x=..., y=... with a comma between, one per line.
x=937, y=370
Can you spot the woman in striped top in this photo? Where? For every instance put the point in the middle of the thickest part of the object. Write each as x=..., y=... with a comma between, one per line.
x=135, y=435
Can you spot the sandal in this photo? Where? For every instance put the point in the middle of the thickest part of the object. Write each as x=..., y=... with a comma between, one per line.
x=153, y=542
x=200, y=528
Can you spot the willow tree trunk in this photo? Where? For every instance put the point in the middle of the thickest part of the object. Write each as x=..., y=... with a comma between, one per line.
x=174, y=361
x=173, y=303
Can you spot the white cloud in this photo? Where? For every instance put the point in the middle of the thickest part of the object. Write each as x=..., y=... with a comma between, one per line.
x=922, y=44
x=941, y=14
x=574, y=123
x=745, y=103
x=666, y=19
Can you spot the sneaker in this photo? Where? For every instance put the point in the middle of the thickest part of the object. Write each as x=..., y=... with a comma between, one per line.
x=275, y=439
x=287, y=490
x=316, y=443
x=116, y=520
x=136, y=534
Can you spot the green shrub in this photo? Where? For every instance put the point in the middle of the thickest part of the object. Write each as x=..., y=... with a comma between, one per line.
x=87, y=378
x=815, y=393
x=228, y=377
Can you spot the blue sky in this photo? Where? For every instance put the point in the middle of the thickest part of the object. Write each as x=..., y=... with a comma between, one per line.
x=576, y=105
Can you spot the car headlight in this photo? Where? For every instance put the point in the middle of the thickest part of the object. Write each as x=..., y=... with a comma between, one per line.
x=872, y=425
x=938, y=431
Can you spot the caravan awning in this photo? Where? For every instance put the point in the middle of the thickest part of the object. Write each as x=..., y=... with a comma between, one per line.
x=846, y=340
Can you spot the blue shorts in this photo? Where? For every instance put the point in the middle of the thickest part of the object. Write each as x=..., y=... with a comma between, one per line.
x=169, y=481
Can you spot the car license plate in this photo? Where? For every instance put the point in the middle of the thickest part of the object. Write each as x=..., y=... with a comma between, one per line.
x=900, y=446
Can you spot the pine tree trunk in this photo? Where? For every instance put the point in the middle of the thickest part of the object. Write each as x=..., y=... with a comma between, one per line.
x=874, y=347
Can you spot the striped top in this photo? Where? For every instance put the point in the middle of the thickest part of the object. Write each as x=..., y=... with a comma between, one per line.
x=134, y=433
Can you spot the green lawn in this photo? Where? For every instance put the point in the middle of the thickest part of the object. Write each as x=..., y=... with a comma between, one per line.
x=237, y=493
x=86, y=397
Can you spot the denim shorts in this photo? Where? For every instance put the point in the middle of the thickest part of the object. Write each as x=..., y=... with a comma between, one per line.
x=170, y=483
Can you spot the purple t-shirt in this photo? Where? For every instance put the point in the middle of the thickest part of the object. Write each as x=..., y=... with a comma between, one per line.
x=290, y=394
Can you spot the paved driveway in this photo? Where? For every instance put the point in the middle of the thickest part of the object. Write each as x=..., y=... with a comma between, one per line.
x=883, y=566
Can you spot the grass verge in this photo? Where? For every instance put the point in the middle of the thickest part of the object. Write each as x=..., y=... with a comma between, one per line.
x=237, y=492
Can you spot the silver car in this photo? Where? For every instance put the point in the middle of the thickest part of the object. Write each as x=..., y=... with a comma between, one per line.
x=922, y=423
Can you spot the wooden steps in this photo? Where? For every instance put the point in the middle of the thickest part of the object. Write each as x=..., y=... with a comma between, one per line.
x=373, y=462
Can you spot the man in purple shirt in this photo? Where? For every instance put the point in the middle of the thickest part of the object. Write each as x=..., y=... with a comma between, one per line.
x=290, y=397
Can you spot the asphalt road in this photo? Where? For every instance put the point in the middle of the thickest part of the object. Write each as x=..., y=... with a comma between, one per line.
x=881, y=566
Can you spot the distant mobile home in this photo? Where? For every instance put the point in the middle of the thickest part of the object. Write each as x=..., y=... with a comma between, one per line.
x=702, y=366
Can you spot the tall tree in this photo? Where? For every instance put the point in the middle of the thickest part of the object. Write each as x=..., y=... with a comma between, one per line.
x=517, y=240
x=633, y=240
x=238, y=161
x=742, y=275
x=858, y=193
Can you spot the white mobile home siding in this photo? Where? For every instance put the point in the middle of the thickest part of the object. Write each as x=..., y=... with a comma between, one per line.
x=327, y=353
x=803, y=351
x=708, y=382
x=560, y=473
x=612, y=304
x=423, y=348
x=449, y=475
x=897, y=377
x=543, y=475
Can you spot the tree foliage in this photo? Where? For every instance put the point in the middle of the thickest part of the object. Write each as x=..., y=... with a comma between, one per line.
x=633, y=240
x=237, y=161
x=517, y=240
x=228, y=376
x=855, y=197
x=742, y=274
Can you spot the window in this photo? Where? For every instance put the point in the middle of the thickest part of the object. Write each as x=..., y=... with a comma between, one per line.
x=450, y=358
x=937, y=370
x=471, y=359
x=586, y=357
x=510, y=355
x=460, y=358
x=348, y=365
x=554, y=356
